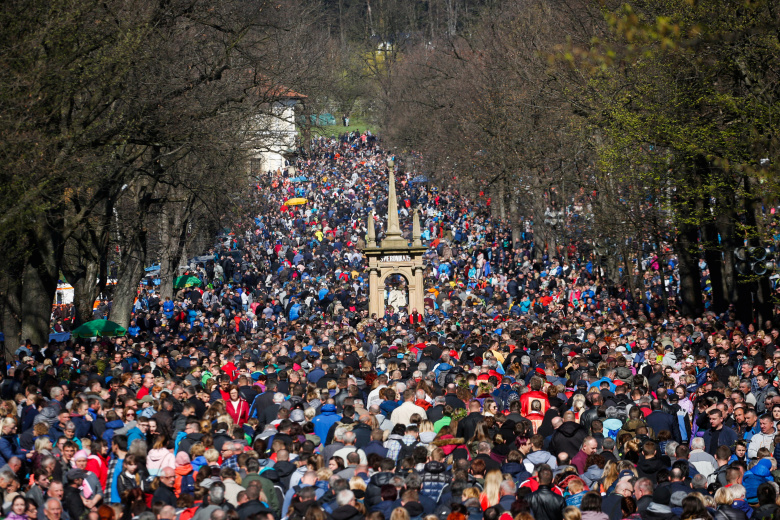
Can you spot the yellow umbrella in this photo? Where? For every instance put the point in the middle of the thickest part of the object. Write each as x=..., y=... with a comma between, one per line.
x=296, y=201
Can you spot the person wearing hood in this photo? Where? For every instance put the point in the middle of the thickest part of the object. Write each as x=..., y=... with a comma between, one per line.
x=657, y=511
x=754, y=477
x=649, y=465
x=327, y=418
x=159, y=457
x=594, y=469
x=184, y=482
x=568, y=438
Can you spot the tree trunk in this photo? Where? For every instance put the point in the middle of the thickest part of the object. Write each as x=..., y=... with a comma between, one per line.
x=84, y=266
x=763, y=302
x=39, y=288
x=130, y=274
x=690, y=285
x=12, y=310
x=87, y=285
x=514, y=215
x=502, y=199
x=725, y=225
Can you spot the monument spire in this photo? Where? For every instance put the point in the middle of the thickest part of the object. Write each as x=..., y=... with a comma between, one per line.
x=416, y=234
x=371, y=231
x=393, y=237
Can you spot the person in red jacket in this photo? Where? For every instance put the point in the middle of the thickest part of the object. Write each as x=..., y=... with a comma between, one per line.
x=535, y=394
x=415, y=317
x=237, y=408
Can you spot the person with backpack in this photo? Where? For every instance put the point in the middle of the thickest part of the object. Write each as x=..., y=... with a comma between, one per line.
x=409, y=442
x=185, y=482
x=505, y=394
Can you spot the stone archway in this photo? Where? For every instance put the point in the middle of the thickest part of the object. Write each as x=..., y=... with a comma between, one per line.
x=394, y=256
x=395, y=289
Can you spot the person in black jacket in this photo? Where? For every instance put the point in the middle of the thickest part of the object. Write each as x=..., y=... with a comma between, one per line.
x=659, y=421
x=568, y=437
x=468, y=425
x=544, y=503
x=71, y=499
x=164, y=492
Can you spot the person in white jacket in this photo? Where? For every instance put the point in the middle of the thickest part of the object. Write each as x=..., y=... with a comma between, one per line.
x=764, y=439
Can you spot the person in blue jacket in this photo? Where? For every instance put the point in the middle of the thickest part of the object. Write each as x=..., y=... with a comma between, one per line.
x=327, y=418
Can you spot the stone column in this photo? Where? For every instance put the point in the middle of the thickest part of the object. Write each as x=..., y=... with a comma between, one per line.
x=417, y=300
x=375, y=297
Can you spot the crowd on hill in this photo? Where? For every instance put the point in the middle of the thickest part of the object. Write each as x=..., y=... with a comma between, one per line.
x=526, y=388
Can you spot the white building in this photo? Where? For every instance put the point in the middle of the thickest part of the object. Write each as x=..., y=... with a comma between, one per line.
x=275, y=135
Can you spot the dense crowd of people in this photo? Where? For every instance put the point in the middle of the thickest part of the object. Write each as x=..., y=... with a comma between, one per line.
x=526, y=388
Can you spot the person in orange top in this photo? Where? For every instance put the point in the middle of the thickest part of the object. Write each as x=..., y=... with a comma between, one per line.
x=237, y=407
x=183, y=468
x=535, y=394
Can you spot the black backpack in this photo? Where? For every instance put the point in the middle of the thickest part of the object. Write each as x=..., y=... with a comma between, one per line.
x=407, y=450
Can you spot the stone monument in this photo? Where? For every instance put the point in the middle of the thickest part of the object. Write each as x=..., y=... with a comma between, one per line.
x=394, y=256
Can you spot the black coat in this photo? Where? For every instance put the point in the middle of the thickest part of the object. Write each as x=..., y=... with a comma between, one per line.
x=545, y=504
x=729, y=513
x=468, y=426
x=165, y=495
x=568, y=438
x=660, y=421
x=250, y=508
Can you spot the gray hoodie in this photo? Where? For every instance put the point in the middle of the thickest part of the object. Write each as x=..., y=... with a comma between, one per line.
x=542, y=457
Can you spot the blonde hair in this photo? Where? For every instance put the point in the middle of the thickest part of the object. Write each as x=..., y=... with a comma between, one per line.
x=41, y=444
x=493, y=481
x=724, y=497
x=211, y=455
x=576, y=485
x=197, y=450
x=425, y=426
x=357, y=483
x=8, y=422
x=610, y=474
x=572, y=513
x=399, y=513
x=578, y=402
x=471, y=492
x=324, y=474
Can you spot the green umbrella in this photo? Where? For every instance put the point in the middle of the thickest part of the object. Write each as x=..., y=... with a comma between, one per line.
x=96, y=328
x=186, y=281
